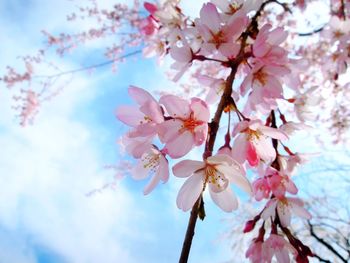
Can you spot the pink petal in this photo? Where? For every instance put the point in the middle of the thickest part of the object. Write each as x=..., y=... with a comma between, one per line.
x=181, y=145
x=187, y=167
x=190, y=192
x=229, y=50
x=164, y=169
x=141, y=96
x=269, y=210
x=130, y=115
x=282, y=255
x=277, y=36
x=169, y=130
x=264, y=149
x=144, y=130
x=153, y=182
x=226, y=200
x=153, y=111
x=210, y=17
x=251, y=154
x=139, y=172
x=175, y=106
x=181, y=54
x=284, y=214
x=136, y=146
x=151, y=8
x=200, y=134
x=239, y=148
x=298, y=209
x=273, y=133
x=200, y=110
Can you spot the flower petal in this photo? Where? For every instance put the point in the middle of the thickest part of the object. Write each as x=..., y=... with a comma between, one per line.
x=189, y=192
x=130, y=115
x=210, y=17
x=273, y=133
x=181, y=145
x=226, y=199
x=141, y=96
x=284, y=214
x=175, y=106
x=187, y=167
x=200, y=110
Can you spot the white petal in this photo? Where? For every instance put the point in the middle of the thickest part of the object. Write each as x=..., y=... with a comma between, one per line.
x=264, y=149
x=273, y=133
x=298, y=208
x=269, y=210
x=187, y=167
x=284, y=214
x=190, y=192
x=226, y=200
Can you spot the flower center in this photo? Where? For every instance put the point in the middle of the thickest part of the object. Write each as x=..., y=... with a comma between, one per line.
x=217, y=39
x=252, y=135
x=261, y=76
x=189, y=124
x=151, y=162
x=214, y=177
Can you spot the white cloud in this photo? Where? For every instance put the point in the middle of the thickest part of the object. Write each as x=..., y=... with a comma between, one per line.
x=46, y=169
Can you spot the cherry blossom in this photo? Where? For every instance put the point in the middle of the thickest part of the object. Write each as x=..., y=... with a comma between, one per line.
x=218, y=172
x=256, y=252
x=152, y=163
x=145, y=118
x=277, y=246
x=187, y=126
x=218, y=35
x=253, y=142
x=285, y=206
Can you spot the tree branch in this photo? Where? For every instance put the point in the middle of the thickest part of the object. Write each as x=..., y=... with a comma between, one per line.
x=323, y=242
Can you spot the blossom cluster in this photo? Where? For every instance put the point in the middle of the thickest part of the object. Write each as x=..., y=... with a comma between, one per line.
x=259, y=72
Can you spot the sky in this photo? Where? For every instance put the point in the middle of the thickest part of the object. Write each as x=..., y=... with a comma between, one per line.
x=47, y=169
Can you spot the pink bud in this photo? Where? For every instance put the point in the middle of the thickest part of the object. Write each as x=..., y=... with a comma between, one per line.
x=249, y=226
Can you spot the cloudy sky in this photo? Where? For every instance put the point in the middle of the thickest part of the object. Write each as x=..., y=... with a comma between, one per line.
x=46, y=169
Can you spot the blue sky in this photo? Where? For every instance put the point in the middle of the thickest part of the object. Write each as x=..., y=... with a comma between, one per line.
x=46, y=169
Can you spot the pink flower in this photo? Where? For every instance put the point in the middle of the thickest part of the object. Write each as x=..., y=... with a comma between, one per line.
x=183, y=57
x=280, y=183
x=149, y=25
x=285, y=206
x=144, y=118
x=266, y=49
x=153, y=163
x=254, y=142
x=277, y=246
x=217, y=171
x=261, y=189
x=136, y=146
x=188, y=126
x=218, y=35
x=256, y=252
x=265, y=86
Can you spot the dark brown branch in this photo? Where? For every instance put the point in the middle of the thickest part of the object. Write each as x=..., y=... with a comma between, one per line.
x=311, y=33
x=190, y=231
x=322, y=259
x=324, y=243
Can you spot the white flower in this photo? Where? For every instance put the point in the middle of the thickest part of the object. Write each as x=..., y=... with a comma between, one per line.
x=217, y=171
